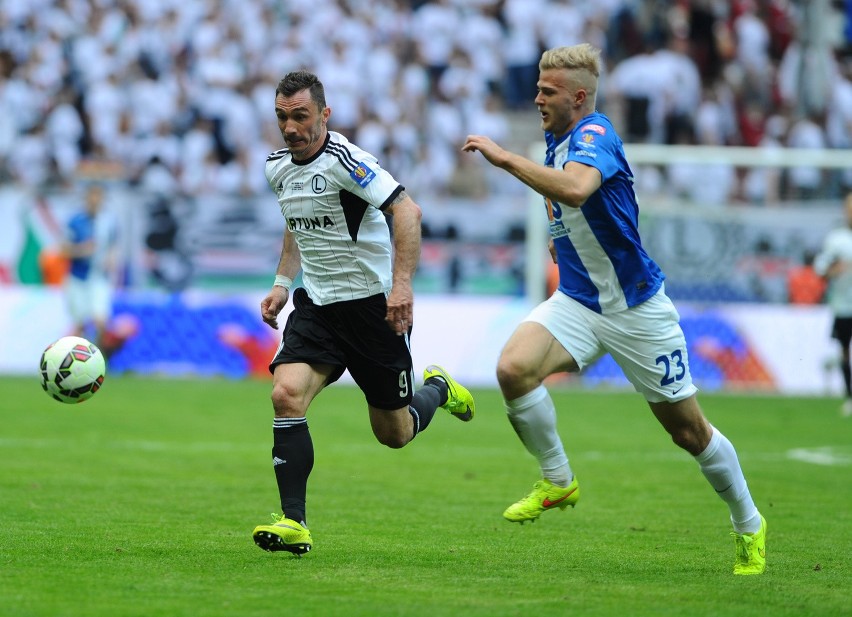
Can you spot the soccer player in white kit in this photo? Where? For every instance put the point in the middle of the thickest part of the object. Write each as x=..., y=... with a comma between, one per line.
x=611, y=299
x=834, y=262
x=356, y=307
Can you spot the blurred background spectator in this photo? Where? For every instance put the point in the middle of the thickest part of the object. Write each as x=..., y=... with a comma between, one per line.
x=804, y=285
x=178, y=92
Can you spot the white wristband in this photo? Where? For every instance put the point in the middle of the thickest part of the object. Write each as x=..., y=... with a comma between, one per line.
x=282, y=281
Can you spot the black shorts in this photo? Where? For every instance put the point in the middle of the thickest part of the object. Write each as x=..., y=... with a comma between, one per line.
x=842, y=330
x=351, y=335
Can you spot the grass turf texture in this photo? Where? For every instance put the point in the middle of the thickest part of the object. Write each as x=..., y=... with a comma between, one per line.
x=141, y=501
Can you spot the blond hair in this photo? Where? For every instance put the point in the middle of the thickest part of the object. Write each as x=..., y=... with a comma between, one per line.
x=582, y=60
x=577, y=57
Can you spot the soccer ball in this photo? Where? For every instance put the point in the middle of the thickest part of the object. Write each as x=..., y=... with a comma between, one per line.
x=72, y=369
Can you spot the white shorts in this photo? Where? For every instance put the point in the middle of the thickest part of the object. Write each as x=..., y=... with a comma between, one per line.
x=646, y=341
x=89, y=299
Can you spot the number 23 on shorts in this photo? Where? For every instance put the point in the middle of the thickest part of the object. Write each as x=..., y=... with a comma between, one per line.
x=673, y=366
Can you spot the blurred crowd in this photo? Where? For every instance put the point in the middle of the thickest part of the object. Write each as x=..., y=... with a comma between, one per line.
x=176, y=96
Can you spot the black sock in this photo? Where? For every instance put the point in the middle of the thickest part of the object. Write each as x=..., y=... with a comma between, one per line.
x=425, y=401
x=292, y=459
x=441, y=385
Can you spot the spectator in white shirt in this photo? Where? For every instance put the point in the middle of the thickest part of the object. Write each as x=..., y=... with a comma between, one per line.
x=806, y=182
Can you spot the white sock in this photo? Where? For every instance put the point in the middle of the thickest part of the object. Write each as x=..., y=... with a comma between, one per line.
x=721, y=467
x=533, y=416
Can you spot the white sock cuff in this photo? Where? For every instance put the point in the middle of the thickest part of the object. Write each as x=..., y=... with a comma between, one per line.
x=712, y=446
x=536, y=395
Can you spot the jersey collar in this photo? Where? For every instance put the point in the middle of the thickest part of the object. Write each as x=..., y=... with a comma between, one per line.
x=552, y=143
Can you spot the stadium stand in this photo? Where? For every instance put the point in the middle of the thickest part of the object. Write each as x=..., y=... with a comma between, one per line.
x=178, y=92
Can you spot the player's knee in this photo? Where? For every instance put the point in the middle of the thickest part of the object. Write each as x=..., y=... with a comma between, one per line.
x=513, y=375
x=392, y=439
x=688, y=438
x=287, y=402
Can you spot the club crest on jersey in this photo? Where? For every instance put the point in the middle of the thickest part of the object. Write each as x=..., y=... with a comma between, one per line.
x=363, y=175
x=318, y=184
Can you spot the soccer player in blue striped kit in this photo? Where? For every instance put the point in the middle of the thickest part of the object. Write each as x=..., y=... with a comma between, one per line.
x=611, y=299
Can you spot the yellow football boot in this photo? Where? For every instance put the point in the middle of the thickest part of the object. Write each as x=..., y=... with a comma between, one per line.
x=459, y=400
x=544, y=496
x=751, y=550
x=284, y=534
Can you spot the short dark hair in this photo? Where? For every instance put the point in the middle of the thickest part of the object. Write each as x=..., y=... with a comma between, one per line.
x=296, y=81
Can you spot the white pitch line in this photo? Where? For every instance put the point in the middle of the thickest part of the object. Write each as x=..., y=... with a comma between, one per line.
x=820, y=456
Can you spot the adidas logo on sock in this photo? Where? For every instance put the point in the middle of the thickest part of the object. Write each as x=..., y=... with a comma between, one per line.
x=277, y=461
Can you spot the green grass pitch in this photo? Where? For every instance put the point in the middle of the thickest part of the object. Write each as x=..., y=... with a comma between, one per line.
x=141, y=501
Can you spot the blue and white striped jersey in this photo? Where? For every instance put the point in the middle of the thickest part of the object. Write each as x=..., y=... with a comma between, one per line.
x=600, y=257
x=101, y=231
x=333, y=205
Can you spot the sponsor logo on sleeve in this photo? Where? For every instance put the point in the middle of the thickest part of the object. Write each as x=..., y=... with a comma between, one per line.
x=587, y=142
x=363, y=175
x=597, y=128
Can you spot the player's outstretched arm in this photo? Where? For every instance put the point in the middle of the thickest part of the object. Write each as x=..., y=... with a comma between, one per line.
x=570, y=186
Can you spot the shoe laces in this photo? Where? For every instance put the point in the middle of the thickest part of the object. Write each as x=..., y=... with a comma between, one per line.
x=452, y=401
x=742, y=542
x=533, y=494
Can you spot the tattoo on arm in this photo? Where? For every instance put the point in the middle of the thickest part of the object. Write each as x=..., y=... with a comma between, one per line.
x=399, y=198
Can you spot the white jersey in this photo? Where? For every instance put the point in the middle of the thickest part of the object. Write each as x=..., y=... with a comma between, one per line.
x=333, y=205
x=837, y=247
